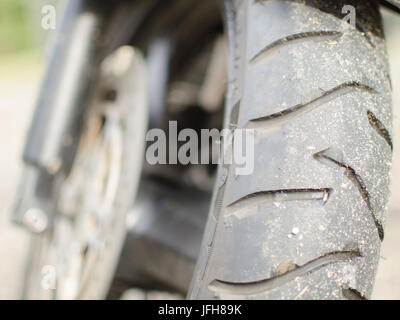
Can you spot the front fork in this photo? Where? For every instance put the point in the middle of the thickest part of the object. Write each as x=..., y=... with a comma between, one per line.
x=89, y=30
x=77, y=50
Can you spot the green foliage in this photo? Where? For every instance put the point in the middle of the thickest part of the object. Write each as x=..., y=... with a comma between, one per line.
x=14, y=34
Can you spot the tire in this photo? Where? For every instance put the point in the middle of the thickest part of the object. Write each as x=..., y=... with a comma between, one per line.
x=308, y=222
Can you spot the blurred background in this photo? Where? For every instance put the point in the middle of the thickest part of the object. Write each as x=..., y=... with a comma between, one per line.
x=22, y=56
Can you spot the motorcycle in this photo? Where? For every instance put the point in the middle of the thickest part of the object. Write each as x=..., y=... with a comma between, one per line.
x=306, y=223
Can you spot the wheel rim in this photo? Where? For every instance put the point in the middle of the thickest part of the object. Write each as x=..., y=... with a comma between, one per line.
x=88, y=231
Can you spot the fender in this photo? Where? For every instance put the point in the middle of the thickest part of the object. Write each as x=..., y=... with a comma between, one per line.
x=71, y=65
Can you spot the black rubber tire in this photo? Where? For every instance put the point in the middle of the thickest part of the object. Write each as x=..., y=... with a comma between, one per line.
x=308, y=223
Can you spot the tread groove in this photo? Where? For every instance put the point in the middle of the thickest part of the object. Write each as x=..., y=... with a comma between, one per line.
x=365, y=34
x=256, y=198
x=286, y=115
x=352, y=294
x=379, y=128
x=254, y=287
x=358, y=182
x=276, y=45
